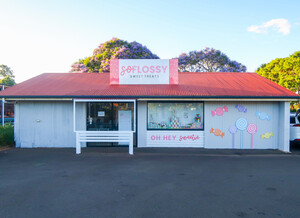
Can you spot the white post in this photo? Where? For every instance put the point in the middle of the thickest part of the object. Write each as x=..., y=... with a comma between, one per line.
x=286, y=126
x=131, y=144
x=74, y=115
x=78, y=146
x=2, y=112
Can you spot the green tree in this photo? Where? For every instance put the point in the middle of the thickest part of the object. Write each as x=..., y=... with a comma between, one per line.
x=7, y=75
x=8, y=81
x=283, y=71
x=5, y=71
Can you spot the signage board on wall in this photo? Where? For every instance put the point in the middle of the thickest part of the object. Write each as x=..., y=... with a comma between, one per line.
x=143, y=71
x=101, y=113
x=175, y=138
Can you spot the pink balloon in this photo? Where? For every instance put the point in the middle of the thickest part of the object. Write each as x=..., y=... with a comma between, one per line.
x=252, y=128
x=232, y=129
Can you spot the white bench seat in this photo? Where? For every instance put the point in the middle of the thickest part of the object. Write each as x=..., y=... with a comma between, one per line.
x=104, y=136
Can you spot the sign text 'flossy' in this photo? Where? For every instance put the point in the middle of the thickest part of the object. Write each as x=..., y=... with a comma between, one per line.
x=144, y=71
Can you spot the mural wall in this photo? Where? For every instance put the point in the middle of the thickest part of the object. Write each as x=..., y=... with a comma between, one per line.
x=241, y=125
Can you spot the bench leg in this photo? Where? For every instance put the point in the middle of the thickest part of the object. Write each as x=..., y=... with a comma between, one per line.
x=131, y=145
x=78, y=146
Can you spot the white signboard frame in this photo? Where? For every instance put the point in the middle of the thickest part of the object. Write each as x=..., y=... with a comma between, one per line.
x=143, y=71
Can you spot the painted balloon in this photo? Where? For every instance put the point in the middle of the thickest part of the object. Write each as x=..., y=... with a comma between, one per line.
x=233, y=130
x=241, y=124
x=241, y=108
x=217, y=132
x=219, y=111
x=263, y=115
x=252, y=128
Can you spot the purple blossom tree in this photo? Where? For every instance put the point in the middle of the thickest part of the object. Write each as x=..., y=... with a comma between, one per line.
x=208, y=60
x=113, y=49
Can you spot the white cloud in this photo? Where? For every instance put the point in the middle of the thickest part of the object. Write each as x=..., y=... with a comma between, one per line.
x=280, y=25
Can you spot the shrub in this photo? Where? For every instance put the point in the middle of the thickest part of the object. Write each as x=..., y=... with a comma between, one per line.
x=7, y=135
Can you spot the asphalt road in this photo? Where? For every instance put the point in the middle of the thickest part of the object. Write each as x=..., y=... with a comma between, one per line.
x=152, y=183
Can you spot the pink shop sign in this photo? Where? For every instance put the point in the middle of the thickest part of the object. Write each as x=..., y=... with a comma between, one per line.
x=166, y=137
x=144, y=71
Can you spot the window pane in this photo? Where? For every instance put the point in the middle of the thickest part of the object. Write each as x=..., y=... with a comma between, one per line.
x=104, y=116
x=99, y=117
x=187, y=115
x=125, y=109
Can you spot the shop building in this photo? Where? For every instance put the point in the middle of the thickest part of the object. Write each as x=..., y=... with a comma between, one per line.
x=152, y=105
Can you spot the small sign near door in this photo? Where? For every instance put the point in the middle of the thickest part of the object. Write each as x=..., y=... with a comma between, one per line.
x=101, y=113
x=125, y=121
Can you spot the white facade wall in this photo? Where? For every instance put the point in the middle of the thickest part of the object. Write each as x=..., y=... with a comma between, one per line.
x=278, y=125
x=229, y=119
x=47, y=124
x=50, y=124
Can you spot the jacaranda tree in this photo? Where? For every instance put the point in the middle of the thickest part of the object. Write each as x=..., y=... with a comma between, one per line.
x=284, y=71
x=208, y=60
x=112, y=49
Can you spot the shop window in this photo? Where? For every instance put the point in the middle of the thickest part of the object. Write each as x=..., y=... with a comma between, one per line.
x=175, y=116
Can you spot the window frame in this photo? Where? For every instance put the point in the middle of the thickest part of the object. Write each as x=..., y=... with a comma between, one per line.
x=76, y=100
x=151, y=129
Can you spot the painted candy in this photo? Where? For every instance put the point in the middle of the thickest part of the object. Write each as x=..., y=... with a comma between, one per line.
x=217, y=132
x=241, y=108
x=252, y=128
x=241, y=124
x=233, y=130
x=267, y=135
x=219, y=111
x=263, y=115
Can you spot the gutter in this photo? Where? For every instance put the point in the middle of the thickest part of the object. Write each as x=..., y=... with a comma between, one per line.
x=212, y=98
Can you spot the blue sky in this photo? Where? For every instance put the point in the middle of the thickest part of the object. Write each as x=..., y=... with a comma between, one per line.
x=48, y=36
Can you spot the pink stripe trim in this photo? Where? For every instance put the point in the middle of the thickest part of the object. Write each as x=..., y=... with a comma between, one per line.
x=114, y=71
x=173, y=67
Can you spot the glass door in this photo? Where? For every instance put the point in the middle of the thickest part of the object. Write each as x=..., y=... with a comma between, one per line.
x=109, y=116
x=100, y=117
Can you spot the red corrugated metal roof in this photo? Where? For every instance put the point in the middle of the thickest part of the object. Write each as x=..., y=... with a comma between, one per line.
x=213, y=85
